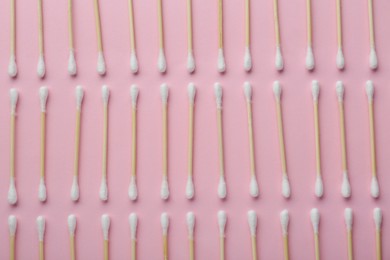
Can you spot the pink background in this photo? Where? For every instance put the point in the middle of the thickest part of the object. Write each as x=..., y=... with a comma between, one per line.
x=298, y=119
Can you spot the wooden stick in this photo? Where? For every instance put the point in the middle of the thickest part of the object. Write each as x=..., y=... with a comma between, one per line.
x=285, y=247
x=254, y=247
x=309, y=22
x=247, y=23
x=13, y=28
x=106, y=222
x=12, y=226
x=276, y=23
x=12, y=247
x=189, y=26
x=12, y=194
x=222, y=248
x=12, y=150
x=317, y=135
x=160, y=24
x=350, y=247
x=339, y=27
x=98, y=25
x=43, y=143
x=222, y=219
x=222, y=181
x=134, y=142
x=316, y=246
x=378, y=238
x=371, y=23
x=165, y=247
x=77, y=143
x=220, y=24
x=103, y=188
x=191, y=246
x=70, y=24
x=164, y=99
x=131, y=25
x=190, y=191
x=40, y=27
x=315, y=220
x=342, y=135
x=372, y=137
x=378, y=226
x=41, y=250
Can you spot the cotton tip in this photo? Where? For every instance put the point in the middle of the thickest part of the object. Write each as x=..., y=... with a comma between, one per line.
x=190, y=190
x=13, y=96
x=252, y=222
x=164, y=93
x=309, y=58
x=378, y=218
x=222, y=218
x=370, y=90
x=41, y=228
x=12, y=225
x=218, y=94
x=12, y=68
x=133, y=191
x=345, y=186
x=41, y=68
x=319, y=187
x=133, y=62
x=374, y=187
x=103, y=192
x=340, y=59
x=247, y=59
x=12, y=195
x=286, y=190
x=340, y=91
x=315, y=219
x=105, y=226
x=190, y=62
x=191, y=89
x=42, y=190
x=277, y=88
x=254, y=187
x=221, y=61
x=190, y=224
x=373, y=59
x=284, y=220
x=79, y=92
x=133, y=222
x=43, y=95
x=348, y=215
x=72, y=222
x=164, y=223
x=162, y=63
x=315, y=90
x=134, y=91
x=75, y=191
x=164, y=188
x=222, y=187
x=105, y=94
x=248, y=91
x=101, y=64
x=279, y=59
x=72, y=67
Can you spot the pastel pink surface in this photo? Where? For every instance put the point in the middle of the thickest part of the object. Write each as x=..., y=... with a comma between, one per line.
x=298, y=125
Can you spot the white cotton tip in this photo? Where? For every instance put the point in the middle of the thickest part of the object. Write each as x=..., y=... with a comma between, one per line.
x=72, y=223
x=133, y=222
x=105, y=226
x=162, y=63
x=41, y=228
x=315, y=90
x=286, y=190
x=218, y=94
x=190, y=224
x=252, y=222
x=348, y=215
x=43, y=95
x=103, y=192
x=340, y=59
x=133, y=191
x=247, y=59
x=79, y=92
x=133, y=62
x=277, y=88
x=75, y=191
x=134, y=91
x=315, y=219
x=222, y=187
x=190, y=190
x=12, y=225
x=284, y=220
x=72, y=67
x=248, y=91
x=345, y=186
x=12, y=195
x=319, y=187
x=374, y=187
x=221, y=61
x=12, y=68
x=373, y=59
x=13, y=96
x=340, y=90
x=222, y=218
x=105, y=94
x=42, y=190
x=164, y=93
x=101, y=64
x=279, y=59
x=164, y=188
x=254, y=187
x=309, y=58
x=191, y=89
x=370, y=90
x=41, y=68
x=378, y=218
x=164, y=223
x=190, y=62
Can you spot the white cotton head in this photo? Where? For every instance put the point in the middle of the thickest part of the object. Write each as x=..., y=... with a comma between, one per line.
x=348, y=215
x=133, y=62
x=340, y=59
x=134, y=91
x=164, y=223
x=103, y=191
x=221, y=61
x=72, y=67
x=373, y=59
x=42, y=190
x=277, y=88
x=284, y=220
x=190, y=62
x=222, y=187
x=315, y=219
x=12, y=195
x=162, y=63
x=345, y=186
x=43, y=95
x=309, y=58
x=370, y=90
x=41, y=228
x=41, y=68
x=190, y=189
x=105, y=226
x=75, y=190
x=190, y=224
x=218, y=94
x=315, y=90
x=12, y=225
x=374, y=187
x=191, y=89
x=252, y=222
x=79, y=92
x=101, y=64
x=222, y=219
x=164, y=93
x=319, y=187
x=279, y=59
x=248, y=91
x=286, y=190
x=12, y=68
x=72, y=223
x=105, y=94
x=164, y=188
x=133, y=191
x=378, y=218
x=247, y=59
x=340, y=90
x=133, y=222
x=13, y=96
x=254, y=187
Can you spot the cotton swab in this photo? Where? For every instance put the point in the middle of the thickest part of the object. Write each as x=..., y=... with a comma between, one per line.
x=277, y=88
x=41, y=236
x=43, y=95
x=165, y=225
x=222, y=182
x=133, y=222
x=133, y=55
x=374, y=178
x=12, y=194
x=190, y=228
x=41, y=68
x=103, y=193
x=378, y=227
x=106, y=228
x=373, y=56
x=12, y=225
x=319, y=187
x=101, y=64
x=222, y=219
x=133, y=191
x=309, y=52
x=190, y=190
x=340, y=56
x=278, y=57
x=315, y=220
x=253, y=187
x=252, y=221
x=247, y=55
x=348, y=223
x=221, y=57
x=162, y=63
x=345, y=187
x=164, y=99
x=12, y=68
x=190, y=56
x=72, y=67
x=72, y=222
x=284, y=220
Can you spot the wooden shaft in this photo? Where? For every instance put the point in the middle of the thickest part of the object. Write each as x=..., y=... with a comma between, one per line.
x=13, y=28
x=40, y=27
x=371, y=23
x=41, y=251
x=222, y=248
x=72, y=248
x=339, y=28
x=220, y=142
x=220, y=24
x=131, y=25
x=165, y=247
x=12, y=247
x=190, y=139
x=77, y=143
x=105, y=250
x=317, y=138
x=308, y=17
x=43, y=143
x=317, y=246
x=134, y=143
x=372, y=138
x=285, y=247
x=133, y=249
x=165, y=140
x=342, y=137
x=276, y=23
x=247, y=23
x=70, y=24
x=254, y=247
x=251, y=141
x=98, y=25
x=160, y=23
x=105, y=141
x=12, y=150
x=378, y=245
x=281, y=137
x=192, y=251
x=189, y=25
x=350, y=246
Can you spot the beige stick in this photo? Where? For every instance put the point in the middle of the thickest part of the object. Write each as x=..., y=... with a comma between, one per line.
x=339, y=28
x=40, y=27
x=98, y=25
x=13, y=28
x=317, y=246
x=70, y=24
x=309, y=22
x=276, y=23
x=247, y=23
x=160, y=24
x=12, y=247
x=371, y=23
x=103, y=193
x=220, y=24
x=131, y=23
x=285, y=248
x=189, y=26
